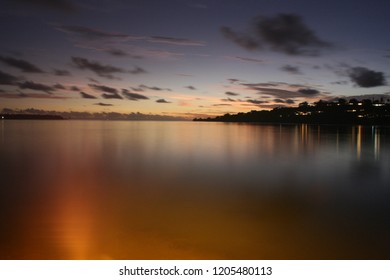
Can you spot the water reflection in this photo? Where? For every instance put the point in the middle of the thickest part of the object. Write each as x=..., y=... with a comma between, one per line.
x=156, y=190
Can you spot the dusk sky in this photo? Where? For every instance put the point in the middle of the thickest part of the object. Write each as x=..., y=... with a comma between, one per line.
x=190, y=58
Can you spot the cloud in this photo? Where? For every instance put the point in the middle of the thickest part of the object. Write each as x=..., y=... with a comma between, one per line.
x=111, y=96
x=74, y=88
x=243, y=40
x=176, y=41
x=116, y=52
x=137, y=70
x=286, y=101
x=133, y=96
x=291, y=69
x=103, y=88
x=282, y=90
x=103, y=104
x=87, y=96
x=191, y=87
x=105, y=71
x=308, y=91
x=7, y=79
x=36, y=86
x=231, y=93
x=247, y=59
x=21, y=64
x=228, y=100
x=366, y=78
x=94, y=34
x=56, y=5
x=152, y=88
x=59, y=72
x=162, y=101
x=31, y=95
x=285, y=33
x=59, y=86
x=256, y=102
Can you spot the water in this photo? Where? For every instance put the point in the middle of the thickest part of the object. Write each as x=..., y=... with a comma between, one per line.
x=186, y=190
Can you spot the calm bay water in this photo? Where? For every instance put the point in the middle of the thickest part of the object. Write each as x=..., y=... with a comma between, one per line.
x=186, y=190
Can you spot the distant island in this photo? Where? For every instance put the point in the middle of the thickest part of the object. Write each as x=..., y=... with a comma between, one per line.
x=341, y=111
x=30, y=117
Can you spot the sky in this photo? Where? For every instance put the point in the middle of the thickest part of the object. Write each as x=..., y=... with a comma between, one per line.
x=190, y=58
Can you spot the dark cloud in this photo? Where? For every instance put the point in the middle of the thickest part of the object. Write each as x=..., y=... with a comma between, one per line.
x=111, y=96
x=366, y=78
x=153, y=88
x=308, y=91
x=104, y=104
x=243, y=40
x=283, y=91
x=103, y=88
x=116, y=52
x=74, y=88
x=137, y=70
x=291, y=69
x=59, y=86
x=31, y=95
x=36, y=86
x=231, y=93
x=59, y=72
x=256, y=102
x=93, y=34
x=286, y=101
x=133, y=96
x=105, y=71
x=176, y=41
x=286, y=33
x=228, y=100
x=7, y=79
x=56, y=5
x=87, y=96
x=233, y=81
x=247, y=59
x=191, y=87
x=21, y=64
x=162, y=101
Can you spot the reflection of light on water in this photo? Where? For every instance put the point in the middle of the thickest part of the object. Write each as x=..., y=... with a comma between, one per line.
x=377, y=141
x=74, y=222
x=359, y=142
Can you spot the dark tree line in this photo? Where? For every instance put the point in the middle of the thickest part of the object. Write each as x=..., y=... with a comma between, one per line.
x=322, y=112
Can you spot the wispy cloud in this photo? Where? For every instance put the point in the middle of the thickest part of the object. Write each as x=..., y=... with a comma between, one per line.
x=191, y=87
x=176, y=41
x=133, y=96
x=23, y=65
x=94, y=34
x=246, y=59
x=103, y=88
x=87, y=96
x=7, y=79
x=101, y=70
x=154, y=88
x=36, y=86
x=59, y=72
x=291, y=69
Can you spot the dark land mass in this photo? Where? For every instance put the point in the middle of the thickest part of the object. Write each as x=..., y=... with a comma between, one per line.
x=30, y=117
x=365, y=112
